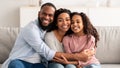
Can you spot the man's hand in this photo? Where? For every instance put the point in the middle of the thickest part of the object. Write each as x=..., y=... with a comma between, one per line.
x=89, y=52
x=85, y=55
x=82, y=56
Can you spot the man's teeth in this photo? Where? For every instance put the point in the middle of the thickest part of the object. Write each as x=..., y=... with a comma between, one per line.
x=45, y=20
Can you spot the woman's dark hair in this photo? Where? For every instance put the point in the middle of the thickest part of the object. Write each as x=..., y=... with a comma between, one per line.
x=57, y=13
x=88, y=28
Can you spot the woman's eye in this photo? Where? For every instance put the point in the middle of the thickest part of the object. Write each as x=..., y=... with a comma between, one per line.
x=60, y=20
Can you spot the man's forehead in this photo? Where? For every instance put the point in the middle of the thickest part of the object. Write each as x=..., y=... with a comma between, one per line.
x=48, y=8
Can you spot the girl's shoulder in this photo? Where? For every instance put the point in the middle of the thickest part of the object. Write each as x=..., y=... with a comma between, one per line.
x=67, y=37
x=92, y=38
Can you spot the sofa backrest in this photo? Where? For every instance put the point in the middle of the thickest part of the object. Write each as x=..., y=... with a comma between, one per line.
x=108, y=50
x=7, y=39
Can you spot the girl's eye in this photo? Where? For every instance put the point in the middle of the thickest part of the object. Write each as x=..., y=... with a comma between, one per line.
x=78, y=22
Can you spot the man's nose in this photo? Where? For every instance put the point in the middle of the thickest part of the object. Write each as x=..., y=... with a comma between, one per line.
x=47, y=16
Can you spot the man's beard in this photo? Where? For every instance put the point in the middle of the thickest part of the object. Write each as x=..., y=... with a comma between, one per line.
x=44, y=27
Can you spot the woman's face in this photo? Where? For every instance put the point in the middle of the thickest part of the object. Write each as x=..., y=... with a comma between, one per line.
x=63, y=22
x=77, y=24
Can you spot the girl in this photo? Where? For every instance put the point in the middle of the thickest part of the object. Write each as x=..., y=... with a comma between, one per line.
x=83, y=36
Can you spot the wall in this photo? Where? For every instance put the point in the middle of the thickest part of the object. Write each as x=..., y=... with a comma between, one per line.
x=98, y=16
x=86, y=3
x=9, y=9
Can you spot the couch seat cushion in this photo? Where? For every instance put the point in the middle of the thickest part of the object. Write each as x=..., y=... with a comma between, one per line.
x=110, y=66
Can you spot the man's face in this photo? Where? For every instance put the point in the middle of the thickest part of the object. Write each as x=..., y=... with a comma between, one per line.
x=46, y=15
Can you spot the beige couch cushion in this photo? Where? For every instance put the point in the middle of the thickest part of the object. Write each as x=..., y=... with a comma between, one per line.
x=108, y=50
x=7, y=39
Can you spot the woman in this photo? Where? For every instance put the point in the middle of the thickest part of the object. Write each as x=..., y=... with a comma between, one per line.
x=53, y=38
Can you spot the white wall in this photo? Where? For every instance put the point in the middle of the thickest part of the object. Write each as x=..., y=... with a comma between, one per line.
x=98, y=16
x=85, y=3
x=9, y=9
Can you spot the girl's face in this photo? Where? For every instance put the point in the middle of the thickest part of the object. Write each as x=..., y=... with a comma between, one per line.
x=77, y=24
x=63, y=22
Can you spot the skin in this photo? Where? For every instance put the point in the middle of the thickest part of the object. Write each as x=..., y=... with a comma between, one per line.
x=46, y=15
x=63, y=23
x=77, y=25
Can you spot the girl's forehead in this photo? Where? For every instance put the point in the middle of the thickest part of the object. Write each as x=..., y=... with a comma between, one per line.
x=76, y=16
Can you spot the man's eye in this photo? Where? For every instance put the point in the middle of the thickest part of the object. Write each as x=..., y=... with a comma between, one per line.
x=51, y=15
x=67, y=19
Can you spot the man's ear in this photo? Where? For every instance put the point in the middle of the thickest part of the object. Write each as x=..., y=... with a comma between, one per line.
x=38, y=13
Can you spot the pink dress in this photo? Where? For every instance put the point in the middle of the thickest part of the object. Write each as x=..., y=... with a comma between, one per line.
x=74, y=44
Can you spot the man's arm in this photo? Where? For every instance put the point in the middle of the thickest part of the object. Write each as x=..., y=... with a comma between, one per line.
x=83, y=56
x=62, y=59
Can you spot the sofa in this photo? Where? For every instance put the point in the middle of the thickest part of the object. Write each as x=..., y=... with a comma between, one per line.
x=108, y=48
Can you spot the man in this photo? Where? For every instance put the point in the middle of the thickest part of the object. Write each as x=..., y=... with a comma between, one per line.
x=30, y=47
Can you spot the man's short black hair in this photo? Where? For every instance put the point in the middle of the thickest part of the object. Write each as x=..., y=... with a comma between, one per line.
x=48, y=4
